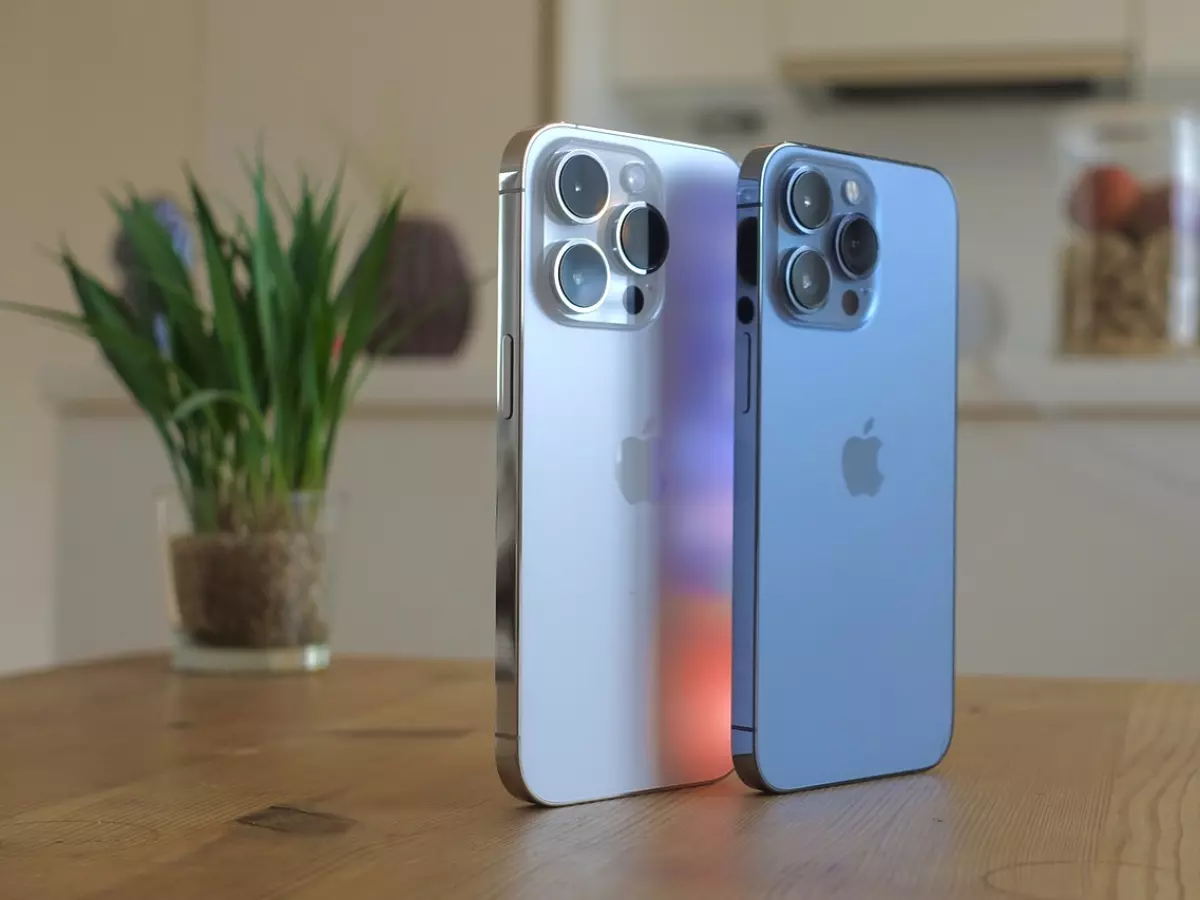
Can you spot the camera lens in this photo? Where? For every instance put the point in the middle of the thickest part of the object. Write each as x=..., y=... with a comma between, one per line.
x=809, y=200
x=580, y=275
x=807, y=278
x=857, y=246
x=581, y=186
x=642, y=238
x=633, y=177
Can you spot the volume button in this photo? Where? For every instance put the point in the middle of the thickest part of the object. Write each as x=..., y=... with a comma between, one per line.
x=745, y=371
x=506, y=377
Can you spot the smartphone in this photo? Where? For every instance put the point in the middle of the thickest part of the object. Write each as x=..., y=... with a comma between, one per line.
x=844, y=459
x=613, y=601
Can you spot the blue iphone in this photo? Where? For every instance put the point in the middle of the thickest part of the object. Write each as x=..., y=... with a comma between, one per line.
x=844, y=468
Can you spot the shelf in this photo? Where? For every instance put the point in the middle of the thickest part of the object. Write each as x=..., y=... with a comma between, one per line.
x=393, y=390
x=1012, y=390
x=1148, y=385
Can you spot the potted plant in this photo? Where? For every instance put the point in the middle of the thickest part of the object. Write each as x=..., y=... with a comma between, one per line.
x=246, y=379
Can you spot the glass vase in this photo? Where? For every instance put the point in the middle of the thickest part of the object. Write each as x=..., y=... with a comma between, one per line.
x=250, y=580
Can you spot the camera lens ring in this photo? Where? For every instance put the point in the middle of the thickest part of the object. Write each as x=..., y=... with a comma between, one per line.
x=654, y=214
x=556, y=187
x=857, y=269
x=790, y=206
x=822, y=272
x=556, y=274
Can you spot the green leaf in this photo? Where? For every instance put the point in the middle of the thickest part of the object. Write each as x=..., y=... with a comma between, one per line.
x=201, y=400
x=157, y=263
x=357, y=302
x=228, y=326
x=70, y=321
x=394, y=340
x=248, y=396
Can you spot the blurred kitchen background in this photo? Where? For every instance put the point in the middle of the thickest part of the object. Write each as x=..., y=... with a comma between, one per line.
x=1080, y=400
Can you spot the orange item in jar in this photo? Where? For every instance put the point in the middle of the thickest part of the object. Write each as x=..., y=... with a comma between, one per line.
x=1105, y=198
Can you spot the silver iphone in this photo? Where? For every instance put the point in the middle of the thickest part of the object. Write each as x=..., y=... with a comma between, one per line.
x=615, y=478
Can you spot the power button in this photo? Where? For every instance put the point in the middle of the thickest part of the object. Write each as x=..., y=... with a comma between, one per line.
x=506, y=377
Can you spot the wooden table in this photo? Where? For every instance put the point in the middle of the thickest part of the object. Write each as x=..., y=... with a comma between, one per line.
x=120, y=781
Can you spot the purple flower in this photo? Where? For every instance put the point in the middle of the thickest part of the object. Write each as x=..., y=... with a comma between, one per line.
x=176, y=224
x=162, y=335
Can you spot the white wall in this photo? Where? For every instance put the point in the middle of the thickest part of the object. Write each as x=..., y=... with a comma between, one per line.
x=1076, y=549
x=100, y=94
x=415, y=574
x=1076, y=539
x=95, y=95
x=419, y=95
x=1076, y=542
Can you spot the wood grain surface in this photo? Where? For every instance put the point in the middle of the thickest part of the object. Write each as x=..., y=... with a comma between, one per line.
x=121, y=781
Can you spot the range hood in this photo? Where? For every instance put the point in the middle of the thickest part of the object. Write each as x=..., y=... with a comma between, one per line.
x=1049, y=73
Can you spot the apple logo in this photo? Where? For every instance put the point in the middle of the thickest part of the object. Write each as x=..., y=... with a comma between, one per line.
x=860, y=463
x=638, y=474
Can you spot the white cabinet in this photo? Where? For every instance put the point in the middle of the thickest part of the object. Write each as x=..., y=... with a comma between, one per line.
x=1171, y=37
x=952, y=26
x=942, y=37
x=688, y=44
x=726, y=46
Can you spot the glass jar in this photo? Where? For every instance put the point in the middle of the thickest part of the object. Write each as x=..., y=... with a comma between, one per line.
x=1131, y=202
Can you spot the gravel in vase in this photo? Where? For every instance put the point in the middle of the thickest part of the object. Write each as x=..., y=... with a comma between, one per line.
x=251, y=590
